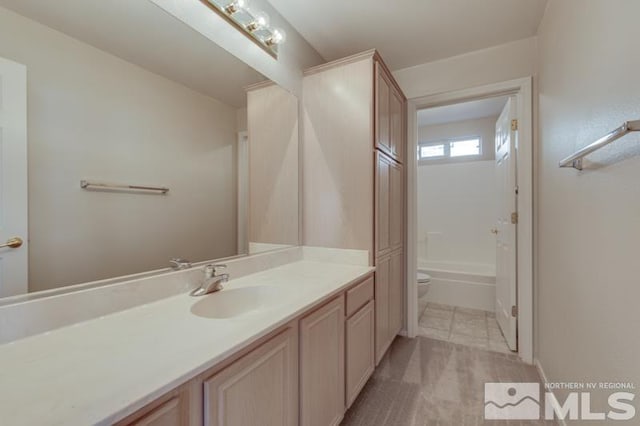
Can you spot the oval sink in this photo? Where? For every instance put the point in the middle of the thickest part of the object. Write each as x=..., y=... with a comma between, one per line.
x=229, y=303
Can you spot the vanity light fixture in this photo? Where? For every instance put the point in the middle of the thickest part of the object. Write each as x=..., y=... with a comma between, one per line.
x=251, y=22
x=236, y=6
x=278, y=36
x=260, y=20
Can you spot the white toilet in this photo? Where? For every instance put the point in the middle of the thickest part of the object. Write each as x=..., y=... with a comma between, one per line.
x=424, y=281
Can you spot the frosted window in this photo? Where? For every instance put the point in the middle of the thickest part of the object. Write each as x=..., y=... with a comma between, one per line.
x=464, y=148
x=430, y=151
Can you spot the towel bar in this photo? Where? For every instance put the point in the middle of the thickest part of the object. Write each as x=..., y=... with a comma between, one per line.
x=575, y=160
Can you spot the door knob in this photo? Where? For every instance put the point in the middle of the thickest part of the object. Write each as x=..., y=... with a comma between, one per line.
x=14, y=242
x=494, y=231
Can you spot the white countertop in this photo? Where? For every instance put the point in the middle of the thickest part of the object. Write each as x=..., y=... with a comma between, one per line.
x=101, y=370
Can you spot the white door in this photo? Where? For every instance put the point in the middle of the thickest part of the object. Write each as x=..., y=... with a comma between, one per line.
x=13, y=179
x=506, y=286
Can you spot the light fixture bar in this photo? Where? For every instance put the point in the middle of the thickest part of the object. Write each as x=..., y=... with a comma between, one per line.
x=252, y=23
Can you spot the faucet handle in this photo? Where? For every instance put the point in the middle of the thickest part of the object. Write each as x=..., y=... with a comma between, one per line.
x=178, y=264
x=211, y=270
x=218, y=267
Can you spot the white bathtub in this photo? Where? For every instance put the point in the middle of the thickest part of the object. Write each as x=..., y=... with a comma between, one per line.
x=469, y=285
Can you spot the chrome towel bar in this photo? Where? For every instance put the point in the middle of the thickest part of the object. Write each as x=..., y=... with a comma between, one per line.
x=84, y=184
x=575, y=160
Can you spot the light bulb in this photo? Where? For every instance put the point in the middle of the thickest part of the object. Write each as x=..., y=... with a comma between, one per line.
x=260, y=20
x=278, y=36
x=236, y=6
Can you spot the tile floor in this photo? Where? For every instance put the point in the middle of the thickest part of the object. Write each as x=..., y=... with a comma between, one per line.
x=429, y=382
x=470, y=327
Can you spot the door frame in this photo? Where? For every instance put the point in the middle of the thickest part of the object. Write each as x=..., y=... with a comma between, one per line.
x=242, y=191
x=523, y=89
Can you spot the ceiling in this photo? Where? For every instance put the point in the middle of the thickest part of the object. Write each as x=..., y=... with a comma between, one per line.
x=142, y=33
x=410, y=32
x=471, y=110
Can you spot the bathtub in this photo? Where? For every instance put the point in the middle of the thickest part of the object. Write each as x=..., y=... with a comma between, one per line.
x=469, y=285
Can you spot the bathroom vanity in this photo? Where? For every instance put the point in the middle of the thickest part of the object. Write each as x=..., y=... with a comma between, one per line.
x=293, y=340
x=304, y=368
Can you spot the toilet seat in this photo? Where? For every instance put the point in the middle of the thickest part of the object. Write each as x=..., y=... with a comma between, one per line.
x=423, y=278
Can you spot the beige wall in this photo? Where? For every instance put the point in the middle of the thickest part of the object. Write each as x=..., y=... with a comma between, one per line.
x=588, y=271
x=94, y=116
x=493, y=65
x=272, y=122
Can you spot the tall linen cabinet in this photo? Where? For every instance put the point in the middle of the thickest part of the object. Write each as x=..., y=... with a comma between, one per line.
x=354, y=180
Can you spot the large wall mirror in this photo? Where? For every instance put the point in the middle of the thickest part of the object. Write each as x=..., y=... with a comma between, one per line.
x=144, y=142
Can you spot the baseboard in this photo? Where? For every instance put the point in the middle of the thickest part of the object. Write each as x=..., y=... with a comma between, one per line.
x=543, y=376
x=465, y=294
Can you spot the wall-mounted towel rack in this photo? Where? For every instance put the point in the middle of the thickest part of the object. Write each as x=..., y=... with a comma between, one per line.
x=575, y=160
x=85, y=184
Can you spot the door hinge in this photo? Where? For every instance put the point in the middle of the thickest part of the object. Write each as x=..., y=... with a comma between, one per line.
x=514, y=218
x=514, y=125
x=517, y=190
x=514, y=311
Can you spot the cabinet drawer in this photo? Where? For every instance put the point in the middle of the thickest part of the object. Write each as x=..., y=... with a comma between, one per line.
x=359, y=295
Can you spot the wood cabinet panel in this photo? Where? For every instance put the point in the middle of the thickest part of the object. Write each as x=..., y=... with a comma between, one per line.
x=168, y=414
x=171, y=409
x=360, y=350
x=389, y=115
x=338, y=137
x=396, y=206
x=396, y=125
x=389, y=300
x=396, y=294
x=382, y=112
x=383, y=269
x=389, y=205
x=383, y=198
x=259, y=388
x=350, y=106
x=322, y=365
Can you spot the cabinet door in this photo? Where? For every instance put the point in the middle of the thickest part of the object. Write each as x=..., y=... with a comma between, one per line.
x=168, y=414
x=396, y=294
x=382, y=196
x=260, y=388
x=322, y=365
x=171, y=409
x=383, y=268
x=396, y=206
x=382, y=113
x=396, y=125
x=361, y=359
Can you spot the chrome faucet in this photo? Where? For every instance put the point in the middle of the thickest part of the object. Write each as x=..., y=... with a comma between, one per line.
x=178, y=264
x=212, y=281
